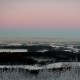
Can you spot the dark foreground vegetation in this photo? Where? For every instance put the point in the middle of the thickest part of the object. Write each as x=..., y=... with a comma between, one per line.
x=72, y=73
x=35, y=72
x=28, y=58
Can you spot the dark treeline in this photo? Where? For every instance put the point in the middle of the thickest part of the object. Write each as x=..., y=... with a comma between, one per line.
x=58, y=55
x=30, y=48
x=13, y=59
x=29, y=57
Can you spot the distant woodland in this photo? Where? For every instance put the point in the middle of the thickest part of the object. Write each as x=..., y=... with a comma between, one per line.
x=29, y=57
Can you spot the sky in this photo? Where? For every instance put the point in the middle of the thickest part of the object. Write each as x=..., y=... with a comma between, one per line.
x=40, y=18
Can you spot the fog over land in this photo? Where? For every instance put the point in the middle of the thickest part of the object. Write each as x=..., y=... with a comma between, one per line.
x=38, y=39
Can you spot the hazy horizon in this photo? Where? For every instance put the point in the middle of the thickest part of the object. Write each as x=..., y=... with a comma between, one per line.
x=37, y=39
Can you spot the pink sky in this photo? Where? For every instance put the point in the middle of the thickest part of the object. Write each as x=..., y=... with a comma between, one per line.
x=40, y=13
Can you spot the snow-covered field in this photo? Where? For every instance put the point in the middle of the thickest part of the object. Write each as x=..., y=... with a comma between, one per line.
x=73, y=74
x=48, y=66
x=13, y=50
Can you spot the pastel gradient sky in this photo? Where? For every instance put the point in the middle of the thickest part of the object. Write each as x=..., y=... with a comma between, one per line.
x=40, y=18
